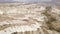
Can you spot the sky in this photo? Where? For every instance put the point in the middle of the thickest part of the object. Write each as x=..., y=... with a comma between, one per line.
x=26, y=0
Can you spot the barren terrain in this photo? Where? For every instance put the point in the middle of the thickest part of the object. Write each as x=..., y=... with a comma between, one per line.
x=25, y=18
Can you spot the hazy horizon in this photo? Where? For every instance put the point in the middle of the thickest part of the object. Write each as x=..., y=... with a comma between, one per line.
x=57, y=2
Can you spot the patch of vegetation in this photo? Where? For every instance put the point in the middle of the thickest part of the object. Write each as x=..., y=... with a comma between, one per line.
x=48, y=9
x=14, y=33
x=58, y=30
x=50, y=19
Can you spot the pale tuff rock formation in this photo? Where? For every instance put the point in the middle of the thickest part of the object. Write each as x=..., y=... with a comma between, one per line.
x=24, y=18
